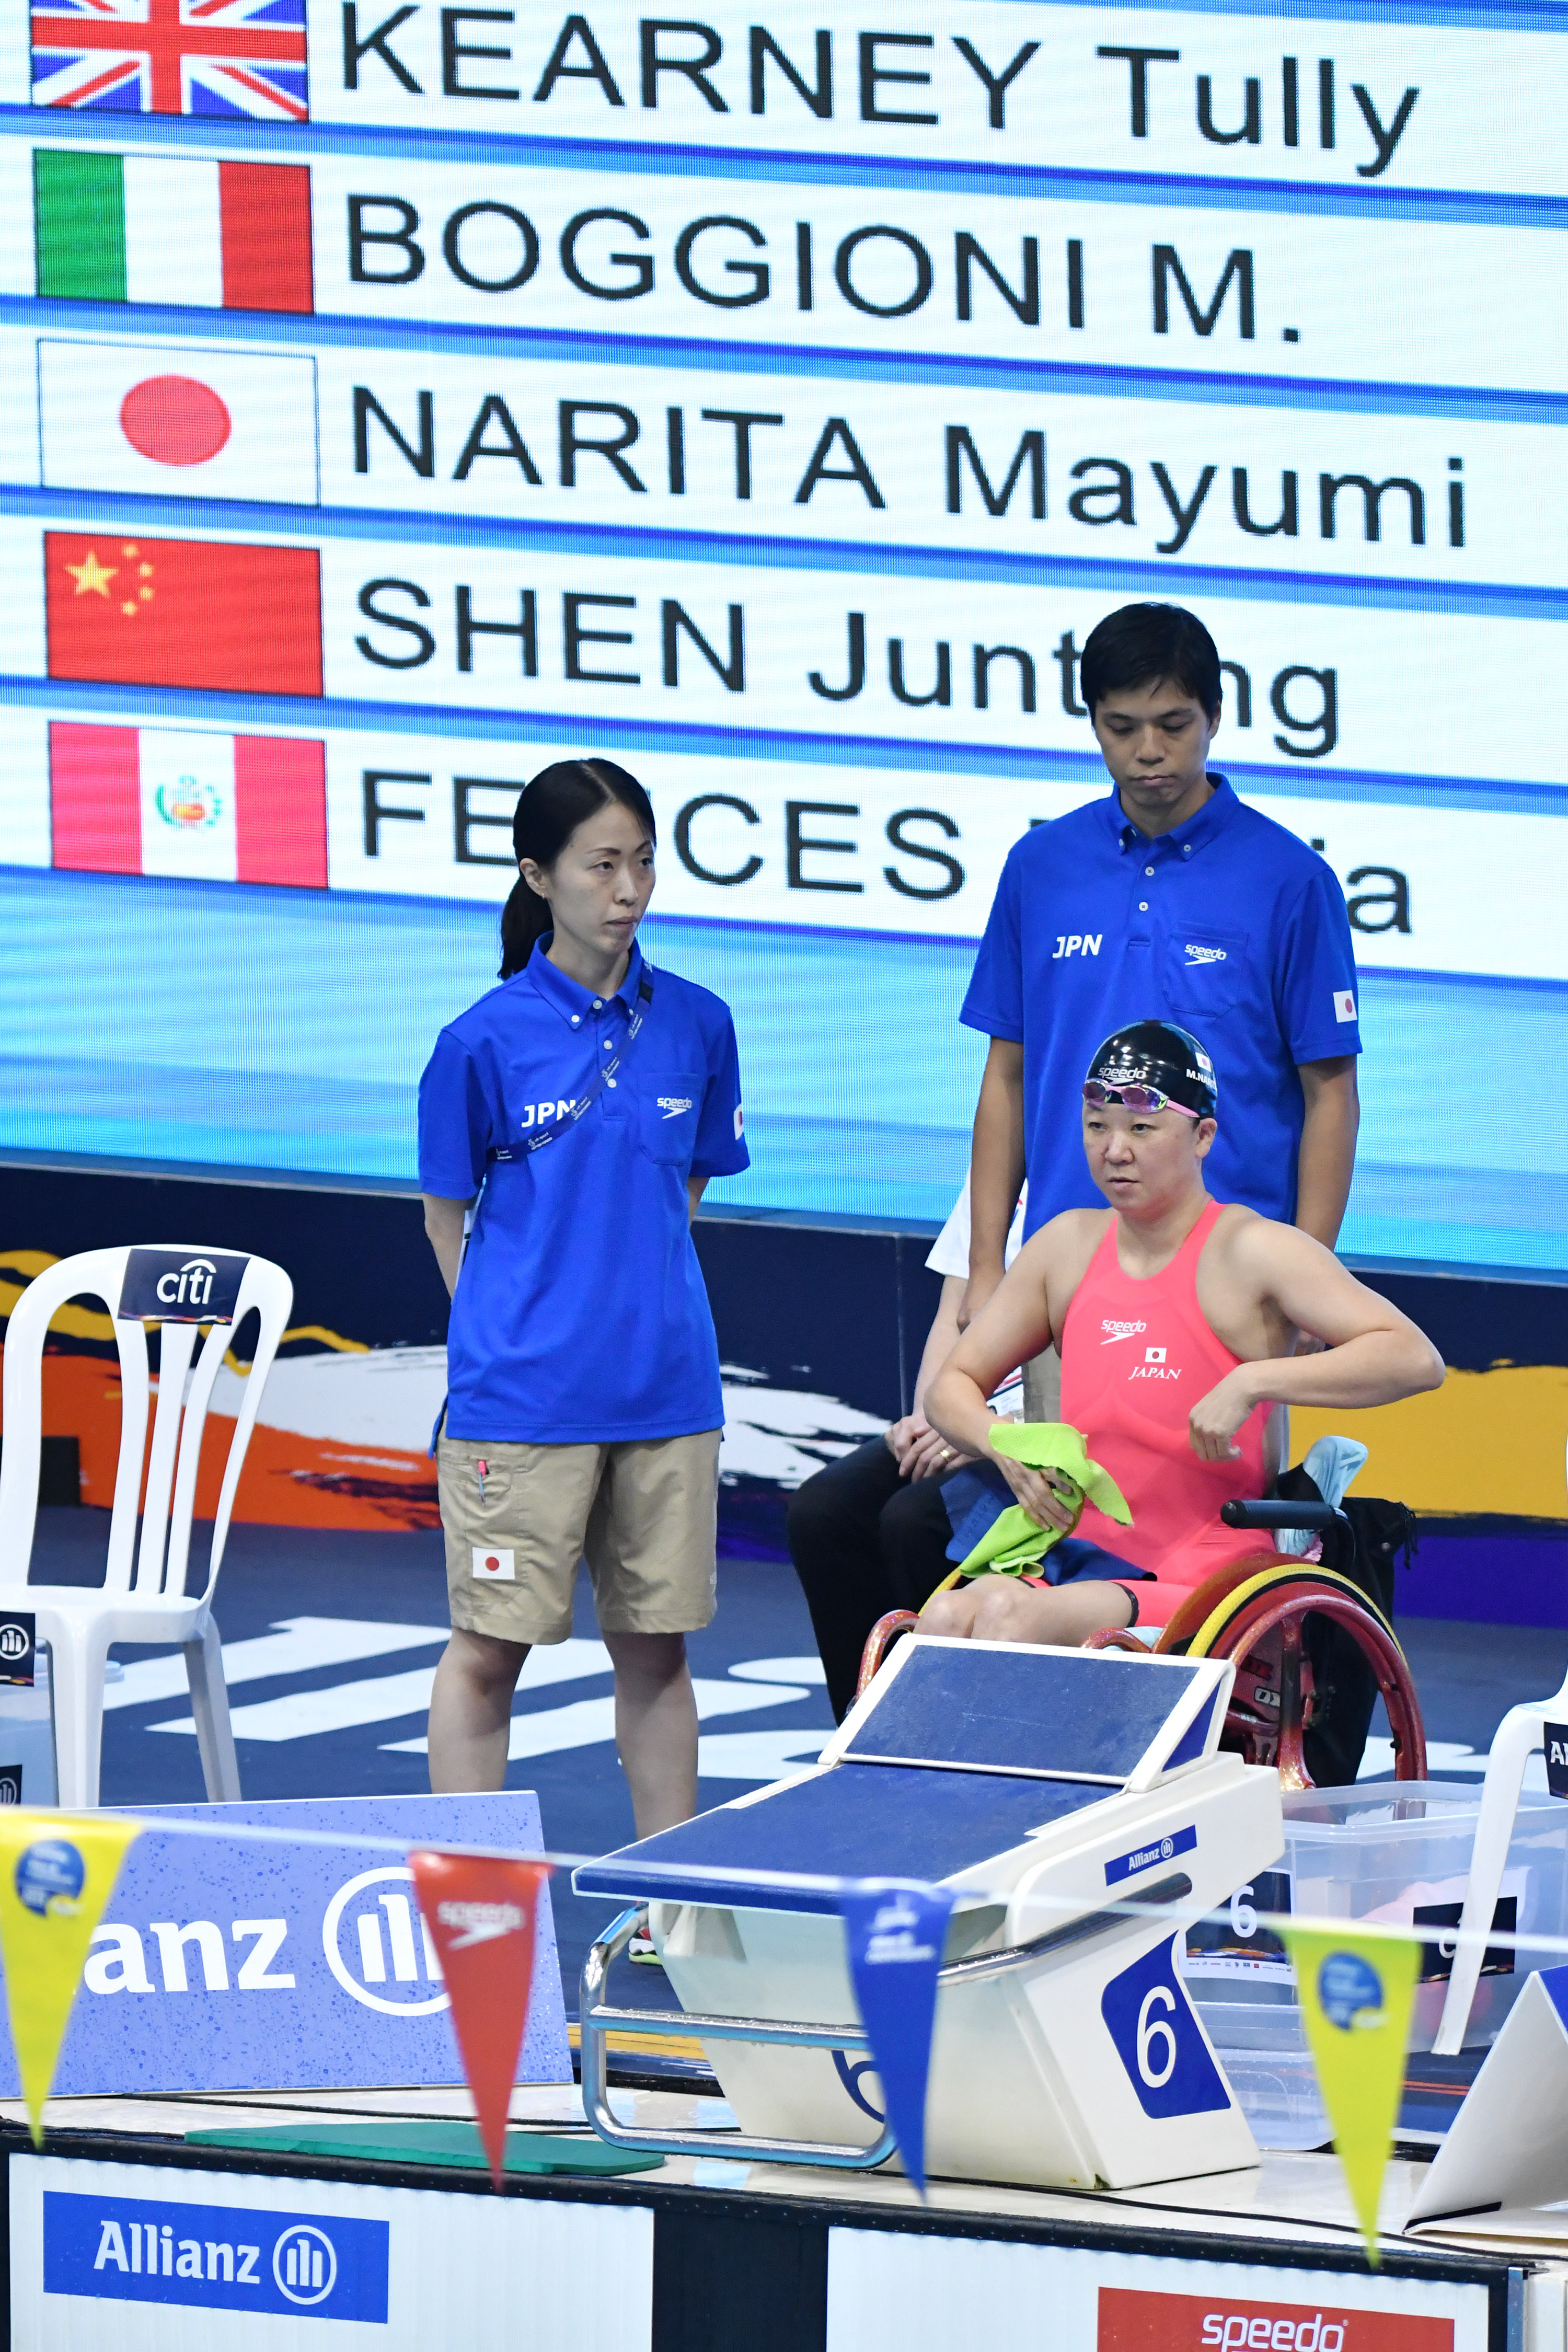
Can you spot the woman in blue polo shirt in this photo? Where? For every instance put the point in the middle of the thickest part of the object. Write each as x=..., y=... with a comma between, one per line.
x=591, y=1098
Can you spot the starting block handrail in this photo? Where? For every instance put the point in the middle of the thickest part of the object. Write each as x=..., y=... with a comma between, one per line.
x=597, y=2023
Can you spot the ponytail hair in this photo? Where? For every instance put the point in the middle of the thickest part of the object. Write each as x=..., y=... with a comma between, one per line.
x=549, y=808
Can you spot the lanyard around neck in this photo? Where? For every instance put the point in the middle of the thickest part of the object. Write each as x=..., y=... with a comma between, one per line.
x=583, y=1103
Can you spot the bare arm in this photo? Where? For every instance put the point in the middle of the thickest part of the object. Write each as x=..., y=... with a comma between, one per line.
x=1013, y=1325
x=995, y=1170
x=921, y=1451
x=444, y=1224
x=1372, y=1354
x=1327, y=1156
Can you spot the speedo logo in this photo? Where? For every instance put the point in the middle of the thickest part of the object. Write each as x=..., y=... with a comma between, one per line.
x=1196, y=955
x=673, y=1105
x=1115, y=1331
x=480, y=1923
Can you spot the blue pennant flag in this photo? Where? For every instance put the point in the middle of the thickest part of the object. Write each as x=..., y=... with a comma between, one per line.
x=895, y=1928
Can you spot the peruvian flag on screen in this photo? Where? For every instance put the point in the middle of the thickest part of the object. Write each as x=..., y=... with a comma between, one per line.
x=179, y=611
x=198, y=807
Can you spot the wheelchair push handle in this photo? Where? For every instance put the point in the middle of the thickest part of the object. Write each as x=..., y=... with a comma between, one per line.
x=1315, y=1515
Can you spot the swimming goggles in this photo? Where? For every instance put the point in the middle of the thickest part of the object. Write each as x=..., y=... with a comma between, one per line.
x=1144, y=1098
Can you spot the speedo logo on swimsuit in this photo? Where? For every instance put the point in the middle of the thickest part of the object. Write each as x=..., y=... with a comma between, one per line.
x=1196, y=954
x=1115, y=1331
x=673, y=1105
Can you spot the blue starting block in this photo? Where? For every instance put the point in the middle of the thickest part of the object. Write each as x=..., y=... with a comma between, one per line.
x=1040, y=1785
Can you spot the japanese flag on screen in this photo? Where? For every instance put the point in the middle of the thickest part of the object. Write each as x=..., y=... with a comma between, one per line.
x=1344, y=1004
x=187, y=424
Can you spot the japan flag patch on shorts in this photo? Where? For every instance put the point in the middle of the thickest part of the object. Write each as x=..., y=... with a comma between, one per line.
x=493, y=1565
x=1344, y=1004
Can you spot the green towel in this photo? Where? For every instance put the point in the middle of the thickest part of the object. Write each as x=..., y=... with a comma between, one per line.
x=1014, y=1542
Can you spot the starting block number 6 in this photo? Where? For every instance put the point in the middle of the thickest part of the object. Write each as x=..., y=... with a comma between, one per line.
x=1153, y=2037
x=1159, y=2041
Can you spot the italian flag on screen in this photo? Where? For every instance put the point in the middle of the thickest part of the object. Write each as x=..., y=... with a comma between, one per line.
x=152, y=228
x=194, y=807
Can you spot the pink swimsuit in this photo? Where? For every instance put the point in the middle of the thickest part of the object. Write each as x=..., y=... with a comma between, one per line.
x=1136, y=1358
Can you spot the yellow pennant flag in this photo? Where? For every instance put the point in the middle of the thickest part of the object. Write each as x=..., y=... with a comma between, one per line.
x=57, y=1872
x=1356, y=1993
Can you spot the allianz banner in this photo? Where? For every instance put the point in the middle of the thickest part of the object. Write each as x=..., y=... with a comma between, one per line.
x=228, y=1965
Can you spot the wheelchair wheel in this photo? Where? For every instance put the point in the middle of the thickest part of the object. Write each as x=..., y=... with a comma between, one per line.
x=879, y=1640
x=1258, y=1617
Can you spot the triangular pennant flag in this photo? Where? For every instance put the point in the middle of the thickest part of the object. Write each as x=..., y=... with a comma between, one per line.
x=894, y=1929
x=480, y=1911
x=1356, y=1993
x=57, y=1873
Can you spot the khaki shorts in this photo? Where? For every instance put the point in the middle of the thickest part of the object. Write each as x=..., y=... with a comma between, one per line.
x=643, y=1515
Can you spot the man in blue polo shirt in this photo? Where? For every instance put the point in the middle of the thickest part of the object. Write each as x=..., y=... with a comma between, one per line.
x=1169, y=900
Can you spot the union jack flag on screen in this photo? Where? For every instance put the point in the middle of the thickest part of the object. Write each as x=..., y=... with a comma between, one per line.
x=173, y=56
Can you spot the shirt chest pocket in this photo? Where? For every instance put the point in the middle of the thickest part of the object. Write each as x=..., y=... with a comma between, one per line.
x=1206, y=971
x=668, y=1102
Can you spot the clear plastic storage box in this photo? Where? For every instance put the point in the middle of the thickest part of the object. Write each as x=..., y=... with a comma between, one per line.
x=1398, y=1853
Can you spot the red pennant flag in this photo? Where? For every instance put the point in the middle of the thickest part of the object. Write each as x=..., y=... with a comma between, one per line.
x=480, y=1911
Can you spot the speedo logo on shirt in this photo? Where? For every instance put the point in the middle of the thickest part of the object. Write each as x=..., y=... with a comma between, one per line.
x=1154, y=1367
x=1115, y=1331
x=673, y=1105
x=1196, y=955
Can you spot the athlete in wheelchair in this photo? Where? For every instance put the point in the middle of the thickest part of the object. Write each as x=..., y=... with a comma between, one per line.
x=1179, y=1322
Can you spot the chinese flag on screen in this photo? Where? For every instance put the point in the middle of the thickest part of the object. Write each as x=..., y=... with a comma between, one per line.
x=175, y=612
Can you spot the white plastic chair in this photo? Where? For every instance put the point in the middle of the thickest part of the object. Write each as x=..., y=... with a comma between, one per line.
x=1518, y=1735
x=142, y=1597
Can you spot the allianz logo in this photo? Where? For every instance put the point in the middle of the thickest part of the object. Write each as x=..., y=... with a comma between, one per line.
x=238, y=2257
x=374, y=1940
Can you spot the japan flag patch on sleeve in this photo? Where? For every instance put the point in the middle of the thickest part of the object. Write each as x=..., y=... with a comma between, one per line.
x=1344, y=1004
x=739, y=1123
x=493, y=1565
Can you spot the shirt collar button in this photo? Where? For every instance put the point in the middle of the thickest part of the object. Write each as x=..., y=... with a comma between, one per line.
x=598, y=1003
x=575, y=1018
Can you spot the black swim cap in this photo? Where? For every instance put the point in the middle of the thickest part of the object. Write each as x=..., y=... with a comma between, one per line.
x=1157, y=1054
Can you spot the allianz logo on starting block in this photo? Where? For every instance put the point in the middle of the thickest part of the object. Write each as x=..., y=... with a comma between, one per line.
x=223, y=2257
x=373, y=1938
x=1144, y=1857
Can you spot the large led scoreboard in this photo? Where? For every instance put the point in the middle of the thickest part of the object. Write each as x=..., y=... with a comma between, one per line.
x=393, y=396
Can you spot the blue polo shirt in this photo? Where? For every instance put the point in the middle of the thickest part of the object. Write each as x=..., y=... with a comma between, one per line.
x=581, y=1315
x=1229, y=925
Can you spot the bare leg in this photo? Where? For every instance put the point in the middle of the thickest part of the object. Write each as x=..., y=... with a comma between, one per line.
x=470, y=1712
x=1005, y=1609
x=656, y=1726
